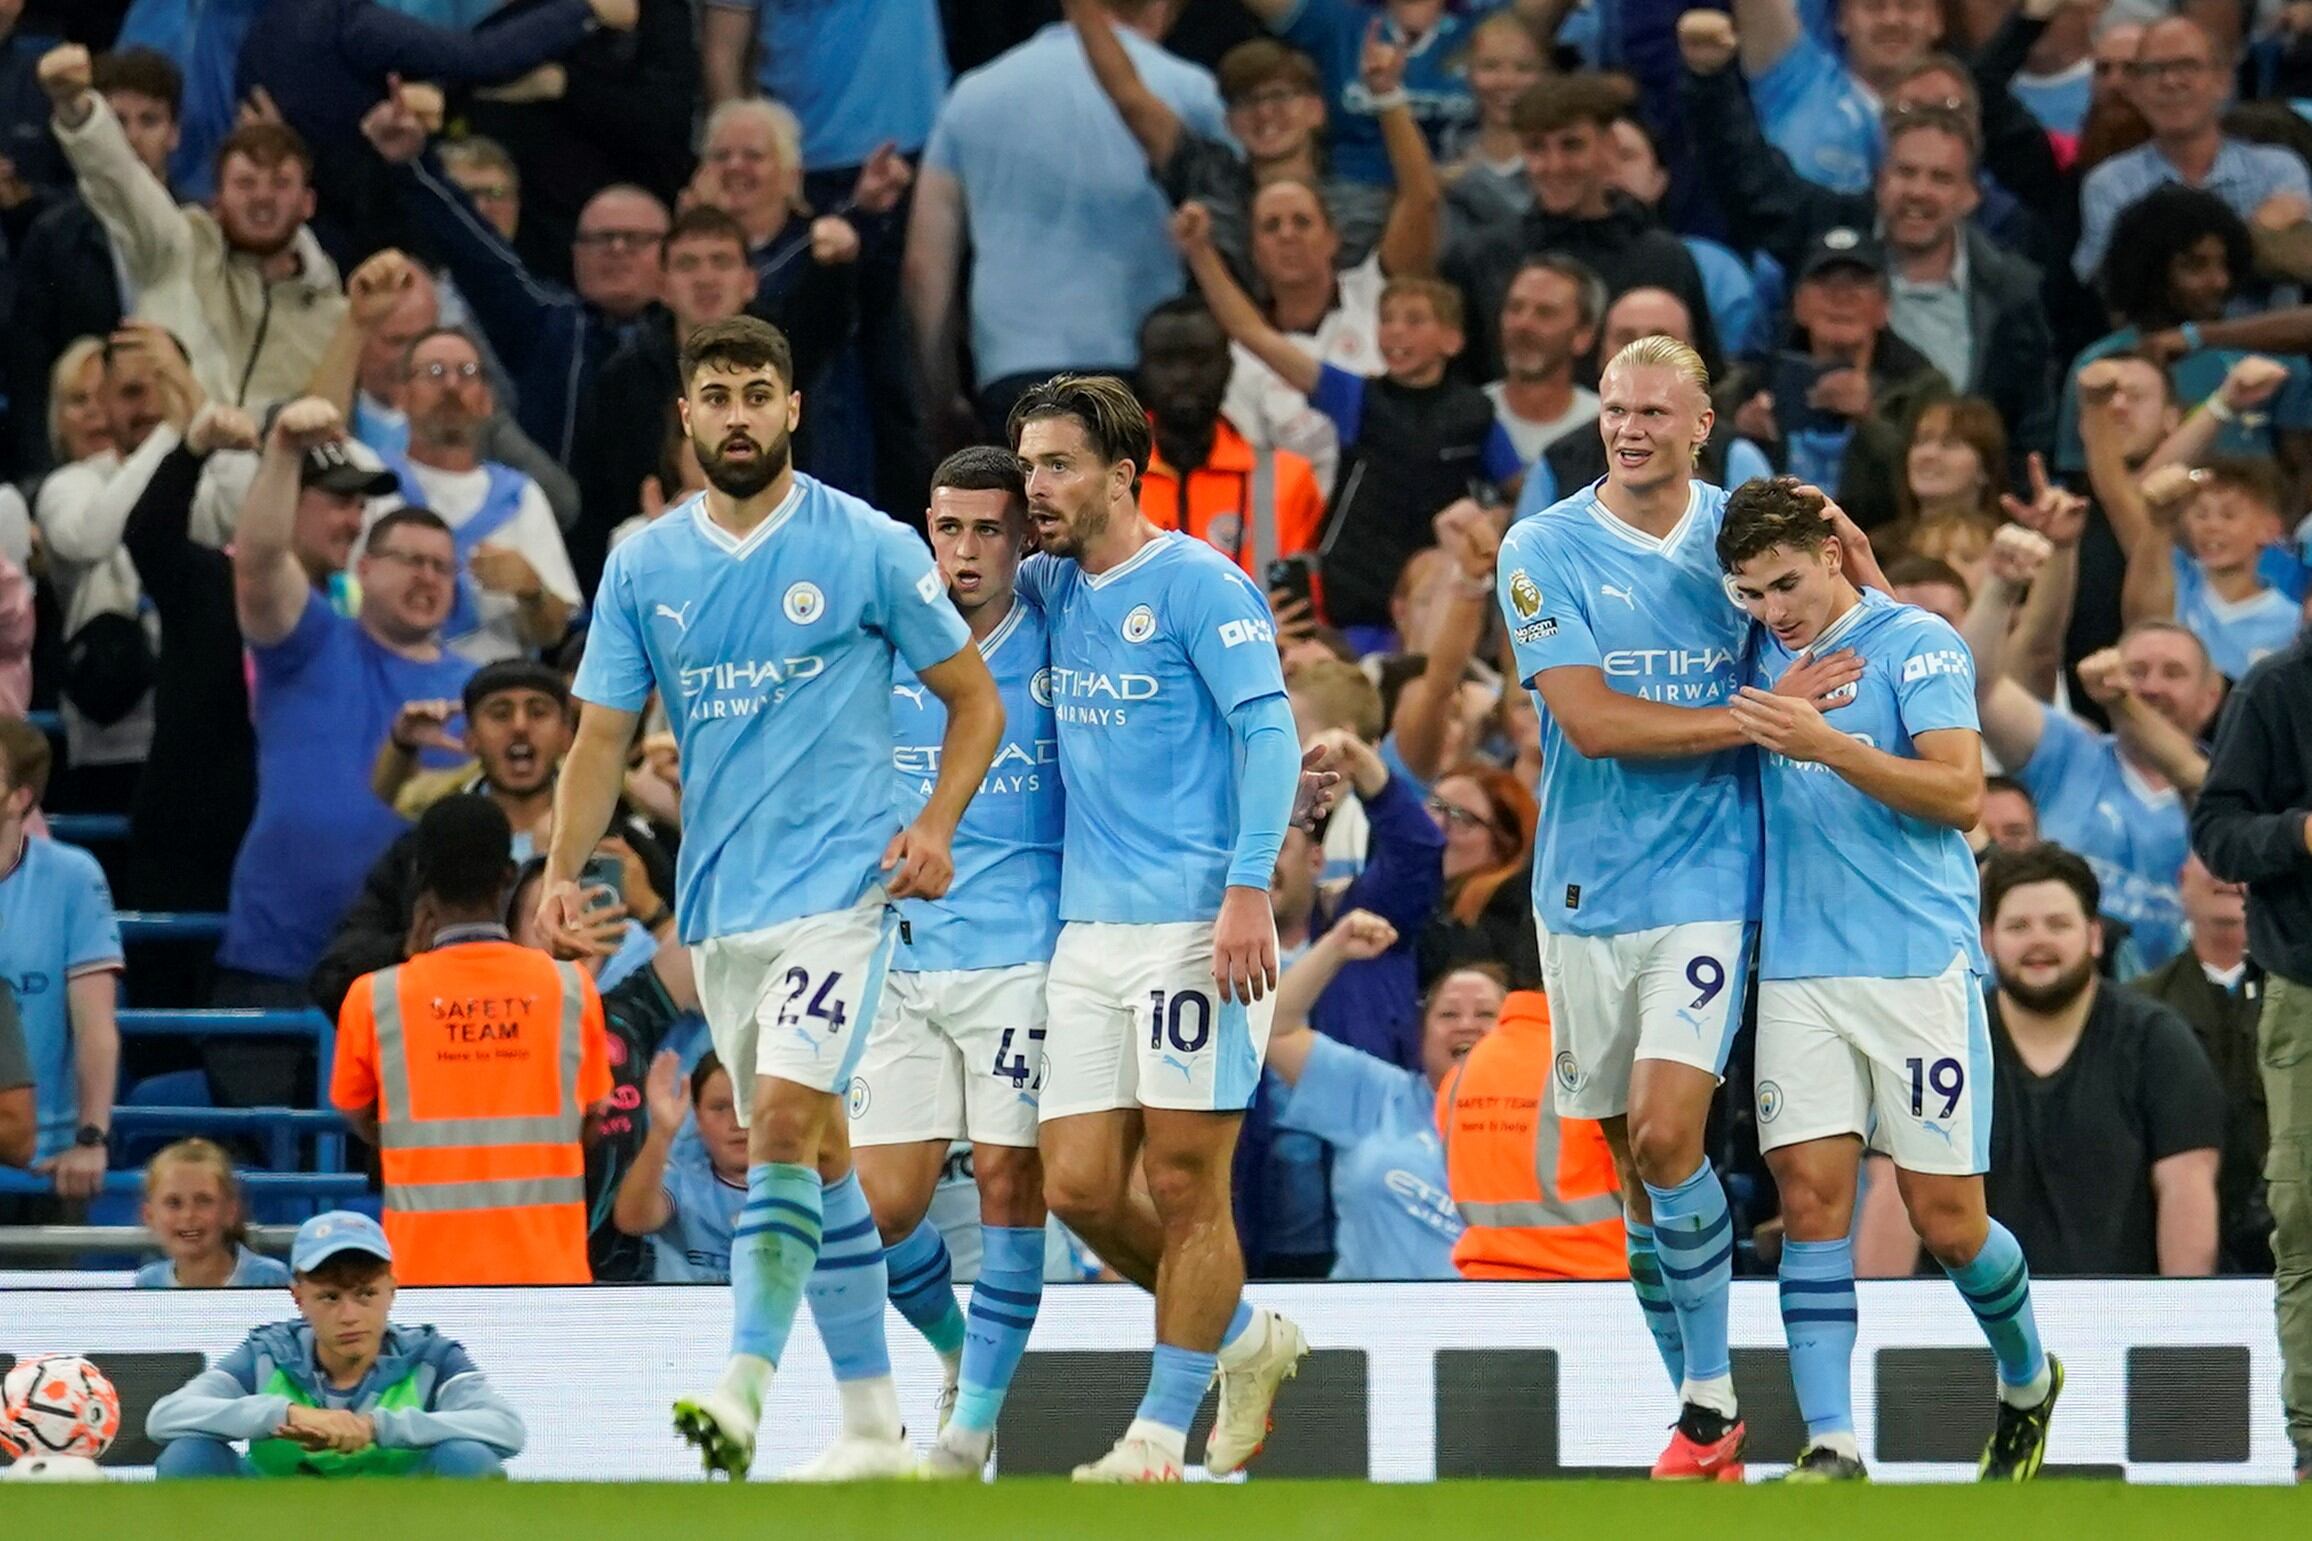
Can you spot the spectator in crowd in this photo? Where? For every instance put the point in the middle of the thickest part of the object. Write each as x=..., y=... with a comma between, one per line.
x=1487, y=184
x=1549, y=322
x=78, y=425
x=1393, y=1218
x=1414, y=439
x=2115, y=798
x=1276, y=113
x=1537, y=1191
x=644, y=1013
x=2104, y=1141
x=1932, y=584
x=149, y=397
x=1488, y=818
x=1954, y=474
x=204, y=748
x=2178, y=80
x=60, y=950
x=1972, y=309
x=515, y=590
x=2063, y=69
x=496, y=1196
x=685, y=1194
x=707, y=278
x=194, y=1213
x=2204, y=559
x=68, y=266
x=2250, y=827
x=30, y=153
x=1578, y=459
x=1029, y=153
x=19, y=1109
x=1566, y=124
x=2010, y=815
x=204, y=42
x=327, y=690
x=2219, y=990
x=1820, y=112
x=342, y=1392
x=1836, y=396
x=553, y=339
x=1252, y=504
x=1430, y=724
x=2179, y=257
x=246, y=289
x=1329, y=694
x=1733, y=286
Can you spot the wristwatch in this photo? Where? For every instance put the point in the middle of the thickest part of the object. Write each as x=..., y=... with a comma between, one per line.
x=92, y=1135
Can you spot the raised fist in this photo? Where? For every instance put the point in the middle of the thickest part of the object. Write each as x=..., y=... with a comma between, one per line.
x=1706, y=41
x=66, y=73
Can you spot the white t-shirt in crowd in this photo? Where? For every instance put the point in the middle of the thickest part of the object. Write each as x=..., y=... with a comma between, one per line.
x=1529, y=437
x=457, y=496
x=1271, y=414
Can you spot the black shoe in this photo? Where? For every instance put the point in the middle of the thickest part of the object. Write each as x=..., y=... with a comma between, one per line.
x=2019, y=1443
x=1704, y=1425
x=1820, y=1463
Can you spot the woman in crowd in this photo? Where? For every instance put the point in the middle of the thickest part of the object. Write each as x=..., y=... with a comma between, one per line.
x=1488, y=817
x=1954, y=470
x=1393, y=1216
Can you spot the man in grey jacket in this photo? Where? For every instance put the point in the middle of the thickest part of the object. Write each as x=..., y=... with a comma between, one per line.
x=342, y=1392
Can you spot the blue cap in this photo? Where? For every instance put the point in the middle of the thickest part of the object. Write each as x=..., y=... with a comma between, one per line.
x=340, y=1230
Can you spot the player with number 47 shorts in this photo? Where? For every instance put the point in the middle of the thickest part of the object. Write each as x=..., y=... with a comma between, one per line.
x=1871, y=1016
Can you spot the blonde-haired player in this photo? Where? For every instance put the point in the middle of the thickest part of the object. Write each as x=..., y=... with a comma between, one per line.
x=1646, y=866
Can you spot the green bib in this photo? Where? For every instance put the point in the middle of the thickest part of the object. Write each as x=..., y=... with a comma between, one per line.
x=287, y=1458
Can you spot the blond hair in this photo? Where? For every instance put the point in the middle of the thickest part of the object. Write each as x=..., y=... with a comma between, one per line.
x=61, y=374
x=210, y=1156
x=1661, y=351
x=1338, y=695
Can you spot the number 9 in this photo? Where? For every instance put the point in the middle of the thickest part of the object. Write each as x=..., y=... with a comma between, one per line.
x=1707, y=975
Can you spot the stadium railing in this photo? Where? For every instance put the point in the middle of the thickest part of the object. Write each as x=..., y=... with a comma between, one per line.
x=308, y=1023
x=169, y=926
x=279, y=1128
x=281, y=1185
x=88, y=828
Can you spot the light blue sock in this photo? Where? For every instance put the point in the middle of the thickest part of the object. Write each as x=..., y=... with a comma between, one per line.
x=773, y=1248
x=1818, y=1320
x=848, y=1288
x=1661, y=1316
x=1694, y=1233
x=1997, y=1288
x=923, y=1287
x=1003, y=1312
x=1238, y=1322
x=1176, y=1382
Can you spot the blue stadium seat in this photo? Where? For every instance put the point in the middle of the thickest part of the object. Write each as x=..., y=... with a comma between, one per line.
x=88, y=828
x=166, y=926
x=280, y=1129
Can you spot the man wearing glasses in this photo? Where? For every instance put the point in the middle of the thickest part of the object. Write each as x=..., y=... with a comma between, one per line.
x=515, y=590
x=2179, y=81
x=326, y=690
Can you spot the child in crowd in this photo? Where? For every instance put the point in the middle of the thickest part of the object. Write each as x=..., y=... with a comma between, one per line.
x=2214, y=558
x=687, y=1198
x=193, y=1209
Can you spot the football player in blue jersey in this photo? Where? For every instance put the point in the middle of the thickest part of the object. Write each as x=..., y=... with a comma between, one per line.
x=1179, y=757
x=958, y=1048
x=1871, y=1015
x=768, y=613
x=1646, y=864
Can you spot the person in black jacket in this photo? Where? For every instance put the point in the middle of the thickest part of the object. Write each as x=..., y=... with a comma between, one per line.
x=1566, y=123
x=2250, y=825
x=1971, y=307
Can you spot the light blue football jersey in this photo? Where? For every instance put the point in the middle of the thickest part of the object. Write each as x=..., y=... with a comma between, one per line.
x=2134, y=835
x=1855, y=890
x=1004, y=906
x=774, y=656
x=2235, y=632
x=1628, y=845
x=1148, y=660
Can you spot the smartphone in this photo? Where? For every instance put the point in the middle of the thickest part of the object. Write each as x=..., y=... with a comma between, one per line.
x=1295, y=578
x=603, y=881
x=1794, y=376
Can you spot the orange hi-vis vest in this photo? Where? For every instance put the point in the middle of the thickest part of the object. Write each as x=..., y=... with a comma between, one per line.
x=481, y=1059
x=1537, y=1192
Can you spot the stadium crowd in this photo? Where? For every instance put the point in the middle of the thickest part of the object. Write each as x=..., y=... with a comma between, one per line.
x=341, y=348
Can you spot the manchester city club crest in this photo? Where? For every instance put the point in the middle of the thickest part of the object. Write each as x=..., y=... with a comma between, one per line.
x=804, y=603
x=1769, y=1101
x=1040, y=688
x=1568, y=1068
x=859, y=1097
x=1140, y=625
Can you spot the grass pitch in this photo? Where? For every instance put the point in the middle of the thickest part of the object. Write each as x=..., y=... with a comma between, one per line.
x=1275, y=1510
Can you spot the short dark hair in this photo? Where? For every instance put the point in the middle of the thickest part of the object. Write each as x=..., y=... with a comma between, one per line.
x=748, y=342
x=982, y=468
x=144, y=71
x=703, y=221
x=463, y=334
x=2045, y=862
x=1560, y=101
x=2010, y=784
x=27, y=756
x=1110, y=415
x=707, y=1065
x=507, y=674
x=266, y=145
x=1770, y=511
x=1590, y=292
x=2256, y=475
x=1970, y=97
x=1183, y=307
x=1910, y=568
x=407, y=517
x=464, y=849
x=1940, y=119
x=348, y=1270
x=1248, y=66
